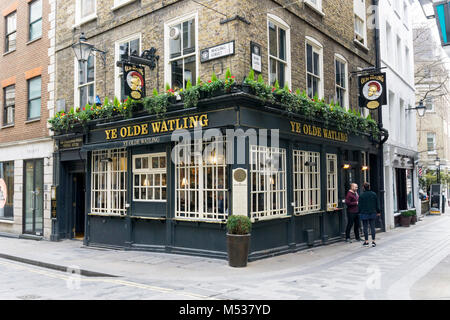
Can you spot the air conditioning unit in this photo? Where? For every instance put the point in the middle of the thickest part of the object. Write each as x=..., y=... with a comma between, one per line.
x=174, y=33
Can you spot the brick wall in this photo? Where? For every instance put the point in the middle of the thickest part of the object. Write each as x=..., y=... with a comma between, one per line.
x=335, y=31
x=28, y=60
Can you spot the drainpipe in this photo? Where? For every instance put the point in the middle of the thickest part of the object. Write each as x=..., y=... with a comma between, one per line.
x=380, y=119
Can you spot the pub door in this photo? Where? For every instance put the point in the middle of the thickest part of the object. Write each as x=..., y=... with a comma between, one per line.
x=78, y=205
x=33, y=197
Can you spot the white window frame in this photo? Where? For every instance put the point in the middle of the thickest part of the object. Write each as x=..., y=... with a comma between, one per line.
x=118, y=70
x=310, y=194
x=364, y=158
x=167, y=25
x=79, y=20
x=112, y=208
x=332, y=183
x=434, y=143
x=318, y=48
x=316, y=6
x=283, y=25
x=341, y=59
x=197, y=159
x=359, y=11
x=150, y=171
x=121, y=3
x=259, y=155
x=431, y=101
x=76, y=87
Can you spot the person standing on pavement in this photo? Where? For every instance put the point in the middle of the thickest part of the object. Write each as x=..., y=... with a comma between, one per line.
x=351, y=200
x=369, y=210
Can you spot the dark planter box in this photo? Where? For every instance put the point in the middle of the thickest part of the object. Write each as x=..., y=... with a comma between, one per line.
x=405, y=221
x=247, y=89
x=237, y=247
x=172, y=100
x=413, y=220
x=218, y=92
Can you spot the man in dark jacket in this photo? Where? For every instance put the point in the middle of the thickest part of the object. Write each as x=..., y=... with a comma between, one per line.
x=351, y=200
x=369, y=209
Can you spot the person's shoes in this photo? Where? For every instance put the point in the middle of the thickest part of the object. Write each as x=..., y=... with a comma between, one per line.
x=365, y=244
x=348, y=240
x=374, y=244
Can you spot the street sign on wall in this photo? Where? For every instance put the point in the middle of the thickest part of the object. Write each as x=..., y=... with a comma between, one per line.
x=220, y=51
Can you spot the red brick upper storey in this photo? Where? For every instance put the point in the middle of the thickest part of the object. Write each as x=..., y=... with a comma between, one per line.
x=22, y=63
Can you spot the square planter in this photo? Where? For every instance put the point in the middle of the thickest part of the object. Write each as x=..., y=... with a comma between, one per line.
x=405, y=221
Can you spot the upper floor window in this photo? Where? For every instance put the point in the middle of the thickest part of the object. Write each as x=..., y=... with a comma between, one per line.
x=314, y=72
x=341, y=82
x=125, y=48
x=317, y=4
x=9, y=94
x=34, y=98
x=278, y=51
x=35, y=20
x=429, y=104
x=431, y=141
x=11, y=34
x=85, y=82
x=85, y=10
x=359, y=7
x=181, y=45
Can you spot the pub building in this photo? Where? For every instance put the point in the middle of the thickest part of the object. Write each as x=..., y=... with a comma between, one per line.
x=121, y=174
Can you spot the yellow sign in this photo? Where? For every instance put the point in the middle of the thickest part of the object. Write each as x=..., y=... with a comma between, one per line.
x=157, y=127
x=310, y=130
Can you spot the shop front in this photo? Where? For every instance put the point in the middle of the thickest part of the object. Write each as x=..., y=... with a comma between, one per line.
x=169, y=184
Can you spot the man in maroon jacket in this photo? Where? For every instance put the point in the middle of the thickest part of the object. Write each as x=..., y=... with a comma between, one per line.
x=351, y=200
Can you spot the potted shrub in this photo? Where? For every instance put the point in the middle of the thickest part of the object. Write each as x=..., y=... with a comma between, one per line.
x=238, y=240
x=413, y=216
x=229, y=84
x=405, y=218
x=191, y=95
x=215, y=86
x=171, y=94
x=248, y=86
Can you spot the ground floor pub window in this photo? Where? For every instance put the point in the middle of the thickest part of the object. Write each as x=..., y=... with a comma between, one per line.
x=306, y=181
x=332, y=190
x=109, y=181
x=409, y=189
x=201, y=181
x=268, y=182
x=6, y=189
x=365, y=167
x=150, y=177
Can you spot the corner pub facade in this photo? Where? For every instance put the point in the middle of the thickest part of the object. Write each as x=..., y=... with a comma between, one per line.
x=117, y=185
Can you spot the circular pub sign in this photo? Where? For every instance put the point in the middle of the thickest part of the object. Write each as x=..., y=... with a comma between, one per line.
x=134, y=78
x=373, y=90
x=3, y=193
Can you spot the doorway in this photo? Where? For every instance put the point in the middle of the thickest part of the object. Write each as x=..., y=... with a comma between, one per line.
x=78, y=205
x=33, y=197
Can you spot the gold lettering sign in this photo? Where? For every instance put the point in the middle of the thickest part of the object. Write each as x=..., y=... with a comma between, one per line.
x=310, y=130
x=157, y=127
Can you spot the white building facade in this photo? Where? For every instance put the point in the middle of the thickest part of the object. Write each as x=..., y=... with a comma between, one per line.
x=400, y=151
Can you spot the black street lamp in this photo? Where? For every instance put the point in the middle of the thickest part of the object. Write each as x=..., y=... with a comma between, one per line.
x=83, y=50
x=437, y=162
x=421, y=109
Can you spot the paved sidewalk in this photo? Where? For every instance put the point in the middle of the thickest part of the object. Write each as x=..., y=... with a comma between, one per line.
x=336, y=271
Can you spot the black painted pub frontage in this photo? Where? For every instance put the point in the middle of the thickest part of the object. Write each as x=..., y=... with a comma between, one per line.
x=124, y=184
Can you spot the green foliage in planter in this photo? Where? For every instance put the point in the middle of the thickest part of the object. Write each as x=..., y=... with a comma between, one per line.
x=413, y=213
x=157, y=104
x=214, y=84
x=406, y=213
x=191, y=95
x=229, y=82
x=240, y=225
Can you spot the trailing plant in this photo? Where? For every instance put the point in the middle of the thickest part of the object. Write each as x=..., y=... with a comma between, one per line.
x=191, y=95
x=156, y=104
x=240, y=225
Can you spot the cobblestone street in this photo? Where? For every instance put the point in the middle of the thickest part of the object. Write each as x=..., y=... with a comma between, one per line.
x=408, y=263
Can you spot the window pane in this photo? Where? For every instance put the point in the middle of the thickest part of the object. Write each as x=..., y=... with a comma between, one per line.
x=273, y=71
x=316, y=63
x=177, y=74
x=34, y=88
x=91, y=94
x=189, y=36
x=90, y=69
x=11, y=42
x=11, y=23
x=282, y=45
x=87, y=7
x=36, y=29
x=272, y=39
x=123, y=50
x=34, y=108
x=175, y=44
x=281, y=73
x=189, y=70
x=83, y=96
x=134, y=46
x=35, y=10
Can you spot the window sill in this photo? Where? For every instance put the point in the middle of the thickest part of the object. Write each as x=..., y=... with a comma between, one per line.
x=358, y=43
x=6, y=221
x=148, y=218
x=199, y=220
x=7, y=126
x=34, y=40
x=107, y=215
x=122, y=5
x=33, y=120
x=6, y=53
x=85, y=20
x=314, y=8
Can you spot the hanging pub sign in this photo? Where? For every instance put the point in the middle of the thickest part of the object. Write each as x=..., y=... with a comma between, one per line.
x=372, y=90
x=134, y=81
